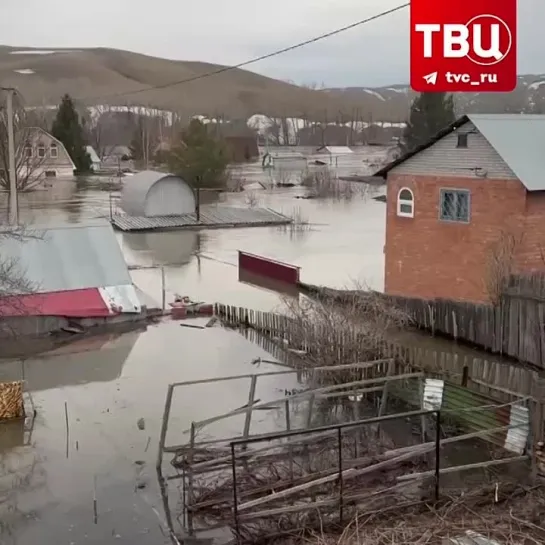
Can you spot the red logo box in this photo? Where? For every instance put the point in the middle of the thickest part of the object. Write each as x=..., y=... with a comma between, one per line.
x=469, y=45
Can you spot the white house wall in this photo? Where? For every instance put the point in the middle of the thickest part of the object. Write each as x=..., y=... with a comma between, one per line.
x=40, y=172
x=444, y=159
x=169, y=197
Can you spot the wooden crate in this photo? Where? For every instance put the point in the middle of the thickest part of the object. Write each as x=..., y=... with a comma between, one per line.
x=11, y=400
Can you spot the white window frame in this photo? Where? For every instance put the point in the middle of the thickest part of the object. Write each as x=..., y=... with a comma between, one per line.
x=54, y=173
x=39, y=149
x=54, y=147
x=29, y=148
x=404, y=202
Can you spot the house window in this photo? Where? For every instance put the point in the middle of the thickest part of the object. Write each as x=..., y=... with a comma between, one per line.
x=53, y=151
x=462, y=140
x=405, y=203
x=50, y=173
x=454, y=205
x=28, y=152
x=41, y=151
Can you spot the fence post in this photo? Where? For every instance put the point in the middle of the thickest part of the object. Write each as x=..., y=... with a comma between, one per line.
x=163, y=290
x=341, y=484
x=437, y=452
x=235, y=498
x=465, y=376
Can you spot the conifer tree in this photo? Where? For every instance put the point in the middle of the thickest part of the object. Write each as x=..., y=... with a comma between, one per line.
x=68, y=128
x=199, y=157
x=430, y=112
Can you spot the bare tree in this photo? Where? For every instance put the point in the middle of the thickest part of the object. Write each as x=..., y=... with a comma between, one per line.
x=343, y=327
x=14, y=283
x=500, y=263
x=97, y=131
x=28, y=161
x=273, y=132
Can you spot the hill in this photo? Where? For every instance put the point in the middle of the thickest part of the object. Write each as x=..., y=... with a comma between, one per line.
x=99, y=74
x=108, y=77
x=528, y=97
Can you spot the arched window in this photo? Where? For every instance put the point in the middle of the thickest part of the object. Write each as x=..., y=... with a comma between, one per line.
x=53, y=151
x=405, y=203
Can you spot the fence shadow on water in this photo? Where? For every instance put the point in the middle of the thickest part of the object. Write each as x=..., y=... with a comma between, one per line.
x=277, y=334
x=514, y=327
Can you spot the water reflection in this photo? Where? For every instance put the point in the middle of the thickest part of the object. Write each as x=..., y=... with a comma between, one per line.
x=94, y=359
x=163, y=248
x=12, y=434
x=267, y=283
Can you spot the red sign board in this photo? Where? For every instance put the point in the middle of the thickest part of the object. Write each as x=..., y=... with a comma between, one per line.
x=268, y=268
x=467, y=46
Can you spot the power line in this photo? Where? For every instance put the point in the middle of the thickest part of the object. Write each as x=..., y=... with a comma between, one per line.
x=257, y=59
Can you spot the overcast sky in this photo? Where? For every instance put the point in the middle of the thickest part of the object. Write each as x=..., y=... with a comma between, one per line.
x=228, y=32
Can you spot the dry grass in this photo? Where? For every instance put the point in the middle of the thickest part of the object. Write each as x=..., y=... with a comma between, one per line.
x=336, y=332
x=324, y=184
x=510, y=517
x=299, y=226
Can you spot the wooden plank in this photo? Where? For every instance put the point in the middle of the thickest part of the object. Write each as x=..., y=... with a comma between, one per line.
x=454, y=469
x=346, y=475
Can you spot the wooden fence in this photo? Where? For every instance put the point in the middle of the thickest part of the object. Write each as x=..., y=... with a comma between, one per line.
x=515, y=327
x=502, y=380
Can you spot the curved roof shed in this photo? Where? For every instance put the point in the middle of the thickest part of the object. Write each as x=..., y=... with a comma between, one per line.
x=151, y=194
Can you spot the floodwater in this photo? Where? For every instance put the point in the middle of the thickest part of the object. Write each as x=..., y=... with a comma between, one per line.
x=86, y=443
x=50, y=479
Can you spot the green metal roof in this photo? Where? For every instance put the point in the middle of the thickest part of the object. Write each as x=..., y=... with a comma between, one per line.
x=519, y=139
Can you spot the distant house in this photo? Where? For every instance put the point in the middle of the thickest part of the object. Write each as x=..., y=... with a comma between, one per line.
x=40, y=156
x=242, y=148
x=458, y=205
x=95, y=159
x=118, y=158
x=284, y=160
x=74, y=270
x=152, y=194
x=334, y=151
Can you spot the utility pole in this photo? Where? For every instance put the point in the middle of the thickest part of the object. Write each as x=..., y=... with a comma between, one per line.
x=13, y=205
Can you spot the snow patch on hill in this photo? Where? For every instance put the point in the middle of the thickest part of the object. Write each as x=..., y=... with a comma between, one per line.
x=43, y=51
x=536, y=85
x=374, y=93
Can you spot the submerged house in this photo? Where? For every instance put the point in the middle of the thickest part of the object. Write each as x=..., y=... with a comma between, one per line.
x=151, y=194
x=285, y=160
x=39, y=155
x=241, y=147
x=334, y=153
x=71, y=272
x=471, y=196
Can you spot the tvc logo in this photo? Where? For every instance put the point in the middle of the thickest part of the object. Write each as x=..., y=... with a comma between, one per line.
x=464, y=46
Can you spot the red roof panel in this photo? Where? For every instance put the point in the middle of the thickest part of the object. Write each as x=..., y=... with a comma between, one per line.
x=84, y=303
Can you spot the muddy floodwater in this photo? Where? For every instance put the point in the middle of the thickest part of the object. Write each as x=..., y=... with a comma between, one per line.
x=93, y=398
x=48, y=481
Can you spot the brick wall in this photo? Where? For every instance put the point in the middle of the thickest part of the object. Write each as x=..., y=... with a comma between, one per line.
x=429, y=258
x=531, y=257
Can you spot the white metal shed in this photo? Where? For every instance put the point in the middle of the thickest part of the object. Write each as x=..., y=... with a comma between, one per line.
x=152, y=194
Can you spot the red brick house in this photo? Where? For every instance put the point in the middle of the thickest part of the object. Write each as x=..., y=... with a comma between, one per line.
x=452, y=201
